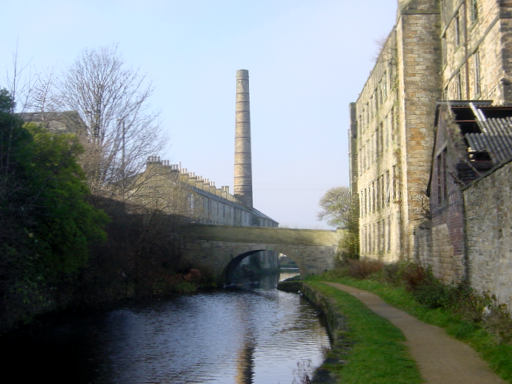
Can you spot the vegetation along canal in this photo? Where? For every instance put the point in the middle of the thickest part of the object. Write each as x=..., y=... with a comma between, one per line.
x=257, y=335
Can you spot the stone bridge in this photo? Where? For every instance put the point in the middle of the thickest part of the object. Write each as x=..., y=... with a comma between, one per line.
x=219, y=249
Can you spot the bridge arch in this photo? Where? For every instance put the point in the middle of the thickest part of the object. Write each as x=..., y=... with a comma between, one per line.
x=218, y=249
x=236, y=260
x=234, y=263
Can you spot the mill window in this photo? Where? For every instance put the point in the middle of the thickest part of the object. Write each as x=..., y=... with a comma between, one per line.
x=378, y=193
x=474, y=10
x=191, y=203
x=441, y=178
x=381, y=137
x=396, y=192
x=384, y=84
x=477, y=74
x=443, y=49
x=373, y=196
x=368, y=200
x=388, y=245
x=458, y=86
x=445, y=185
x=457, y=30
x=381, y=191
x=387, y=188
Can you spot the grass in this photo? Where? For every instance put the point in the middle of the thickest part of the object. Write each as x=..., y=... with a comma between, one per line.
x=377, y=354
x=493, y=349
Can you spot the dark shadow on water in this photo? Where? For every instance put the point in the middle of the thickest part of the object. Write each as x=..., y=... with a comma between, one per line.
x=57, y=354
x=267, y=282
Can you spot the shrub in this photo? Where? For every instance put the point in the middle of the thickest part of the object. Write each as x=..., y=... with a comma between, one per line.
x=414, y=275
x=484, y=310
x=425, y=288
x=395, y=273
x=478, y=309
x=469, y=304
x=432, y=294
x=348, y=247
x=498, y=321
x=472, y=312
x=361, y=269
x=340, y=270
x=391, y=273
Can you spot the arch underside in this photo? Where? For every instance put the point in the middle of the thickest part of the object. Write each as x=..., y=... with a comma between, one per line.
x=234, y=263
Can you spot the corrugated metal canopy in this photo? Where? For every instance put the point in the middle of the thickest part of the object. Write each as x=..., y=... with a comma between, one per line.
x=495, y=138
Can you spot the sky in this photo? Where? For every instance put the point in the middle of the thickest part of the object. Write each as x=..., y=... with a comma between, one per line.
x=307, y=60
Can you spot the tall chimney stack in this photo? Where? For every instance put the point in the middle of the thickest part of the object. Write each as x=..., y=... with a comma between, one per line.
x=243, y=167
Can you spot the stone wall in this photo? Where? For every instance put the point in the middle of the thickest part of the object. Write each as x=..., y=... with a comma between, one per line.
x=476, y=50
x=446, y=203
x=423, y=241
x=374, y=179
x=420, y=53
x=393, y=122
x=487, y=205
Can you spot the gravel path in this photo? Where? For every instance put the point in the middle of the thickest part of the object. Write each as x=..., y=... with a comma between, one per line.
x=441, y=359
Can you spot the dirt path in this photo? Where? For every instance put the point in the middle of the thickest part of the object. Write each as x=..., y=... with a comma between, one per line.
x=441, y=359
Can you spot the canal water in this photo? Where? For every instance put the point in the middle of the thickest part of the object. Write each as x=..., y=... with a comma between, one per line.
x=247, y=335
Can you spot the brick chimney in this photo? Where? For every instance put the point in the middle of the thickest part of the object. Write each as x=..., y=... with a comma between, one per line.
x=243, y=166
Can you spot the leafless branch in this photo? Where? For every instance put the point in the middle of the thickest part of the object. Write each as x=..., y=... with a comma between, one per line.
x=113, y=101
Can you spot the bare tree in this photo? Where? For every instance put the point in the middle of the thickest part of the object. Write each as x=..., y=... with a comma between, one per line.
x=341, y=209
x=335, y=206
x=113, y=102
x=41, y=97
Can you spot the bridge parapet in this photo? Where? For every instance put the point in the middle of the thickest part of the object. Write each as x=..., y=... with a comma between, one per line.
x=263, y=234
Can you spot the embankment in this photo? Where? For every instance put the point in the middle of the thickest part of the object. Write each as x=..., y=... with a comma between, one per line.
x=336, y=326
x=366, y=348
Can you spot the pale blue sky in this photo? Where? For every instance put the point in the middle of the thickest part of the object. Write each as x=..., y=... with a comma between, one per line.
x=307, y=60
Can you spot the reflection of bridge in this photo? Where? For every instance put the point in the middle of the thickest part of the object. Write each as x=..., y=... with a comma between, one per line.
x=219, y=249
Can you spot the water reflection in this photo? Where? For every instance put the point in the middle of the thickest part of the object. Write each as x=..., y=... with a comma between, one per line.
x=241, y=336
x=245, y=363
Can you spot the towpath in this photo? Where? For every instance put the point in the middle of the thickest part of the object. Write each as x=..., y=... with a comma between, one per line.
x=441, y=359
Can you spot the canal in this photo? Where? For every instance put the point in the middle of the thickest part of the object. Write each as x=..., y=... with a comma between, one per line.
x=248, y=335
